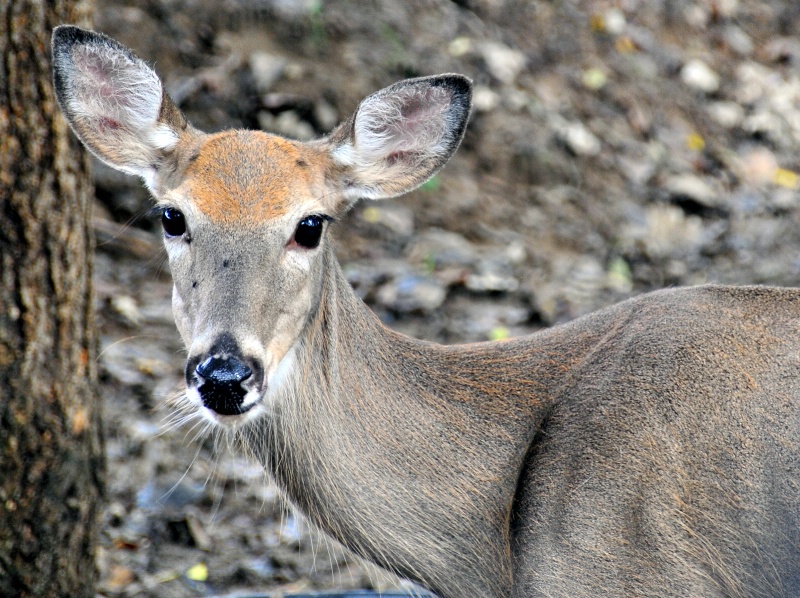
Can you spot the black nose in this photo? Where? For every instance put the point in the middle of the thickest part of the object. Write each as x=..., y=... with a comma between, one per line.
x=224, y=370
x=224, y=378
x=221, y=388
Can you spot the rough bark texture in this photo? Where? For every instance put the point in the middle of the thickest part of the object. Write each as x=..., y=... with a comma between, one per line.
x=50, y=440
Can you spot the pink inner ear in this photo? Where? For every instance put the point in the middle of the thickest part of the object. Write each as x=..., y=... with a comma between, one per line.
x=397, y=157
x=423, y=120
x=98, y=72
x=404, y=126
x=426, y=102
x=105, y=124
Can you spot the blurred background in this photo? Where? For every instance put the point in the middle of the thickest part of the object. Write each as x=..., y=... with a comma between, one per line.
x=615, y=147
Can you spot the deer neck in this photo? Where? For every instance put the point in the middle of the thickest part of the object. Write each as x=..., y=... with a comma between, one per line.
x=395, y=448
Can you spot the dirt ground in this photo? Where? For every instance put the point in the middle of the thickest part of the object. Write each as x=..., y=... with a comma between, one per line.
x=615, y=147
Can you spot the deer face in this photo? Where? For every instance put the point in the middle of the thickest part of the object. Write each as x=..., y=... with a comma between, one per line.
x=245, y=214
x=244, y=239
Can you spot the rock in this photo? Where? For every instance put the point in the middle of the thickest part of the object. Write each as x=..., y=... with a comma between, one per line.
x=397, y=218
x=481, y=319
x=412, y=293
x=502, y=62
x=594, y=78
x=515, y=100
x=614, y=21
x=753, y=80
x=492, y=275
x=440, y=248
x=491, y=281
x=738, y=40
x=126, y=309
x=293, y=9
x=784, y=199
x=142, y=430
x=515, y=252
x=726, y=9
x=484, y=99
x=569, y=290
x=181, y=89
x=170, y=494
x=619, y=277
x=579, y=139
x=200, y=537
x=158, y=310
x=783, y=49
x=760, y=166
x=460, y=46
x=287, y=123
x=697, y=75
x=266, y=69
x=692, y=187
x=765, y=124
x=365, y=275
x=261, y=569
x=726, y=114
x=326, y=115
x=638, y=169
x=668, y=232
x=293, y=530
x=134, y=360
x=696, y=16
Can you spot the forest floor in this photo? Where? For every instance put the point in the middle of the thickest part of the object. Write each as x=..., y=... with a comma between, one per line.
x=615, y=147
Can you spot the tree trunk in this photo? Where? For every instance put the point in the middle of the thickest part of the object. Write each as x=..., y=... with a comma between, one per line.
x=51, y=453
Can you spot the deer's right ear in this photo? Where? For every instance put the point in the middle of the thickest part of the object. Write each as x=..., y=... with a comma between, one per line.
x=114, y=102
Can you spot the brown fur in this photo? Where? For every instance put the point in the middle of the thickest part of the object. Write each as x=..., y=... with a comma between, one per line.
x=231, y=188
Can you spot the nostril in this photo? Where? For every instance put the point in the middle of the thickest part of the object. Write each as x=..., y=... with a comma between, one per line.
x=223, y=370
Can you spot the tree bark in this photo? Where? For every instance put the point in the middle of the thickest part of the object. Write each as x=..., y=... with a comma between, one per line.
x=51, y=453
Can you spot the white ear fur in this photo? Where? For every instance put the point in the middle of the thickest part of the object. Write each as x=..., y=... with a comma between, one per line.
x=113, y=101
x=402, y=135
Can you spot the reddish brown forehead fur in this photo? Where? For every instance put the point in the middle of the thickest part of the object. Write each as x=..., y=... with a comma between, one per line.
x=249, y=176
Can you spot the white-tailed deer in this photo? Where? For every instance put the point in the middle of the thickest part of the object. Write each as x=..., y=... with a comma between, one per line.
x=649, y=449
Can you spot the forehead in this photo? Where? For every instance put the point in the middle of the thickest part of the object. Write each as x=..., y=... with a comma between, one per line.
x=250, y=176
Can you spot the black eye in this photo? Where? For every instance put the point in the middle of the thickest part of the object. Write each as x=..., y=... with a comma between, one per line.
x=173, y=222
x=308, y=232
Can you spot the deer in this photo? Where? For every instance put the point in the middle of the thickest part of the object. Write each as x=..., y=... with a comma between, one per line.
x=647, y=449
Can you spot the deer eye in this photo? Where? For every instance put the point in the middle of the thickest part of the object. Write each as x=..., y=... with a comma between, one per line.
x=308, y=232
x=173, y=222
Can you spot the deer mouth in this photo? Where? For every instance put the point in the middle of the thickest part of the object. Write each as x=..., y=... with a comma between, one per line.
x=225, y=398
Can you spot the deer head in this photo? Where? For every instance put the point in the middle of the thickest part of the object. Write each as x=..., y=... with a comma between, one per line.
x=245, y=213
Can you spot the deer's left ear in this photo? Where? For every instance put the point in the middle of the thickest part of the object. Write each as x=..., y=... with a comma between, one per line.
x=114, y=102
x=401, y=136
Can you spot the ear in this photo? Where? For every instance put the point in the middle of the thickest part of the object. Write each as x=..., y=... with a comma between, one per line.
x=401, y=136
x=114, y=102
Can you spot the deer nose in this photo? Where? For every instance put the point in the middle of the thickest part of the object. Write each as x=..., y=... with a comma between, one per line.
x=222, y=383
x=223, y=370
